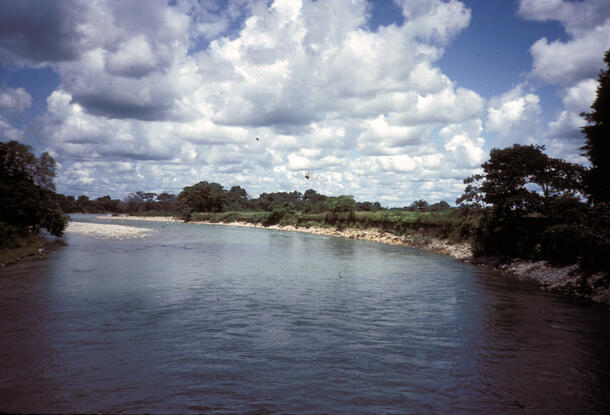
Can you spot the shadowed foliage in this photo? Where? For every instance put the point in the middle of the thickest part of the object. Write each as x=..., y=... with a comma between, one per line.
x=597, y=145
x=27, y=194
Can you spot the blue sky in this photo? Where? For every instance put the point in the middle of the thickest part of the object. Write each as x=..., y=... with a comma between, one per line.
x=391, y=101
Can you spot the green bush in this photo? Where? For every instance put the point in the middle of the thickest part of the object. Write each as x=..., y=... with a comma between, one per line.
x=276, y=215
x=12, y=236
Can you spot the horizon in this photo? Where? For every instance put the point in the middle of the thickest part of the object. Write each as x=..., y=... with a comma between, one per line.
x=386, y=101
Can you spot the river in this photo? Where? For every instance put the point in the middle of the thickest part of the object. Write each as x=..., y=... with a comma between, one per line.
x=215, y=319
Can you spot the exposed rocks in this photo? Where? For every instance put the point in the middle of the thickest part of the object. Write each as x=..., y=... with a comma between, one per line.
x=105, y=231
x=568, y=279
x=151, y=218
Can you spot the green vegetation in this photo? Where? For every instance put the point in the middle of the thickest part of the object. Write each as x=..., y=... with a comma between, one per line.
x=27, y=200
x=597, y=145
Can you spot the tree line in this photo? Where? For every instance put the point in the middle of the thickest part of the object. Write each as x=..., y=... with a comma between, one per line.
x=213, y=197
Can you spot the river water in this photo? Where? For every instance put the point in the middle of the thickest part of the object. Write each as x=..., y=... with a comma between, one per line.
x=215, y=319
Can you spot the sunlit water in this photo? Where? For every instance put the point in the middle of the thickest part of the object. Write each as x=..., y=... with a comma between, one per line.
x=217, y=319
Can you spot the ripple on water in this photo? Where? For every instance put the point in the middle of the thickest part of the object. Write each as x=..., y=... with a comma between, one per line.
x=221, y=320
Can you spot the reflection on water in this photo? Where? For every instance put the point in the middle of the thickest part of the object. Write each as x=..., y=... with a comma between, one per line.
x=217, y=319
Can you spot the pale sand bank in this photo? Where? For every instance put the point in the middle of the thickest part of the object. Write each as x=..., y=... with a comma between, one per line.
x=105, y=231
x=150, y=218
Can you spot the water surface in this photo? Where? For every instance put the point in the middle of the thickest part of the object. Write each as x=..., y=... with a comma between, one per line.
x=215, y=319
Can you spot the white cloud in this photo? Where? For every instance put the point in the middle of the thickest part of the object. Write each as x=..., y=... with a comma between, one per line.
x=14, y=100
x=515, y=116
x=572, y=65
x=142, y=105
x=8, y=132
x=580, y=57
x=564, y=136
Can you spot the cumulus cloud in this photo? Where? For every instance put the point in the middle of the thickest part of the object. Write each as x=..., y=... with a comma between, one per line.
x=576, y=99
x=8, y=132
x=515, y=116
x=588, y=25
x=34, y=32
x=572, y=65
x=14, y=100
x=160, y=97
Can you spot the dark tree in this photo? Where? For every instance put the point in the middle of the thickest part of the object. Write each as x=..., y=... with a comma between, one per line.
x=419, y=205
x=341, y=204
x=442, y=205
x=527, y=195
x=166, y=201
x=27, y=193
x=237, y=197
x=201, y=197
x=597, y=146
x=313, y=196
x=85, y=205
x=519, y=180
x=106, y=204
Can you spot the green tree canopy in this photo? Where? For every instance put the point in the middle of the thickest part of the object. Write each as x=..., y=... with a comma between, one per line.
x=341, y=204
x=201, y=197
x=597, y=145
x=27, y=197
x=520, y=179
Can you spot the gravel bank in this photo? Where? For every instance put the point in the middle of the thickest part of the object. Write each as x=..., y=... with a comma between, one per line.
x=106, y=231
x=151, y=218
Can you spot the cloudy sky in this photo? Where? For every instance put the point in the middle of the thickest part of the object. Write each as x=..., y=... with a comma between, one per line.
x=389, y=101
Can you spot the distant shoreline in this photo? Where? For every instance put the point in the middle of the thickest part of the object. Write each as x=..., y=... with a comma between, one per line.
x=568, y=280
x=461, y=251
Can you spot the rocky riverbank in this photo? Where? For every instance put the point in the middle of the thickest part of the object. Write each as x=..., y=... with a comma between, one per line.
x=568, y=279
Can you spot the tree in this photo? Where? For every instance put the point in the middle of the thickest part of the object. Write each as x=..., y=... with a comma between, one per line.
x=597, y=146
x=27, y=192
x=525, y=193
x=341, y=204
x=237, y=197
x=166, y=201
x=313, y=196
x=106, y=204
x=442, y=205
x=520, y=179
x=85, y=205
x=419, y=205
x=201, y=197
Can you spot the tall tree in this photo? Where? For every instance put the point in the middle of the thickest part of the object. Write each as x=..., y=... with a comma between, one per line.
x=597, y=146
x=27, y=197
x=201, y=197
x=520, y=179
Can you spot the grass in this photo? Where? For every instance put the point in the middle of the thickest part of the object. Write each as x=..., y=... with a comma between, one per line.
x=26, y=246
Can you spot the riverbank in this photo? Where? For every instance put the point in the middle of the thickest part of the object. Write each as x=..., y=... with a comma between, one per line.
x=568, y=280
x=461, y=251
x=36, y=247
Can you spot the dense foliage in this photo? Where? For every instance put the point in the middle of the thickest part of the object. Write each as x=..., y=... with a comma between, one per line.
x=27, y=194
x=597, y=146
x=529, y=207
